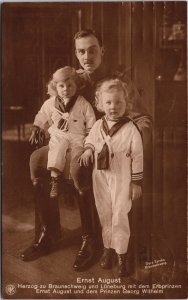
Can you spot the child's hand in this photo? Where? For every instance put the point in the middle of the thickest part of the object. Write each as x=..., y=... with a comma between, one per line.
x=86, y=158
x=136, y=191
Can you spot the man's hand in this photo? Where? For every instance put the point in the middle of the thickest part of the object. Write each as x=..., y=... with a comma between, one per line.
x=145, y=126
x=143, y=122
x=136, y=191
x=37, y=136
x=86, y=158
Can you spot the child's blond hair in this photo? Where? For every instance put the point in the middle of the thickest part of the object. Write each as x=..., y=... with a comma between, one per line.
x=115, y=81
x=109, y=84
x=61, y=75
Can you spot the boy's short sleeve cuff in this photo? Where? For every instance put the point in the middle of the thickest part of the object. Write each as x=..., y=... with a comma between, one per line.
x=137, y=178
x=89, y=146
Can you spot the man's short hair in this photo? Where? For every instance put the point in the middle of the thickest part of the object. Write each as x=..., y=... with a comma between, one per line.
x=88, y=32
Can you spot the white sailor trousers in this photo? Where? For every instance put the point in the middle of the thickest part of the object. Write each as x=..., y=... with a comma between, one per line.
x=58, y=146
x=113, y=201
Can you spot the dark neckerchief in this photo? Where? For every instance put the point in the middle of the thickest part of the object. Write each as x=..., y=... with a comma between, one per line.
x=115, y=127
x=62, y=124
x=65, y=108
x=103, y=156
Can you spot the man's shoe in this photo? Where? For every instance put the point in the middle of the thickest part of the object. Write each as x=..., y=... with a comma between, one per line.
x=43, y=246
x=106, y=259
x=122, y=272
x=85, y=254
x=55, y=187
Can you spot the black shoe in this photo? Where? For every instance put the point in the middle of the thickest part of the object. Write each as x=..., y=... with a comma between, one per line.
x=122, y=272
x=55, y=187
x=85, y=254
x=43, y=246
x=106, y=259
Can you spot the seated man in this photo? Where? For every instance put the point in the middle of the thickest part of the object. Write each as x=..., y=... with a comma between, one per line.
x=89, y=51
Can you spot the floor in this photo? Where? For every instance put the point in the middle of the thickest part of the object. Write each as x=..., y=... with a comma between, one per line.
x=52, y=276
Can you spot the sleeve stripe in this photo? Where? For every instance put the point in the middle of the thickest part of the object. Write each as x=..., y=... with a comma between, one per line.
x=137, y=176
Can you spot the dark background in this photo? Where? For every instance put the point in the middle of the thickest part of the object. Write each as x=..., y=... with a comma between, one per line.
x=37, y=38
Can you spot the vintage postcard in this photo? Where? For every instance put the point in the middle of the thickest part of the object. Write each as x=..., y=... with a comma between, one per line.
x=94, y=112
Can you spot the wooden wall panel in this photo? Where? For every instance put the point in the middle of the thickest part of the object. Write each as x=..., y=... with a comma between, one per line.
x=126, y=37
x=143, y=52
x=21, y=35
x=97, y=17
x=110, y=33
x=36, y=40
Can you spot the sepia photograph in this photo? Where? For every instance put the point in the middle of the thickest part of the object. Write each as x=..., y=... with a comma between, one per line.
x=94, y=150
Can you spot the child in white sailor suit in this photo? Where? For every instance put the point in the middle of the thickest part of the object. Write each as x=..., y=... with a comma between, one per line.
x=114, y=144
x=69, y=118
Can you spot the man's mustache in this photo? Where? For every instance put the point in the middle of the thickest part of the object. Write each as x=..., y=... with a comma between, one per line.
x=88, y=61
